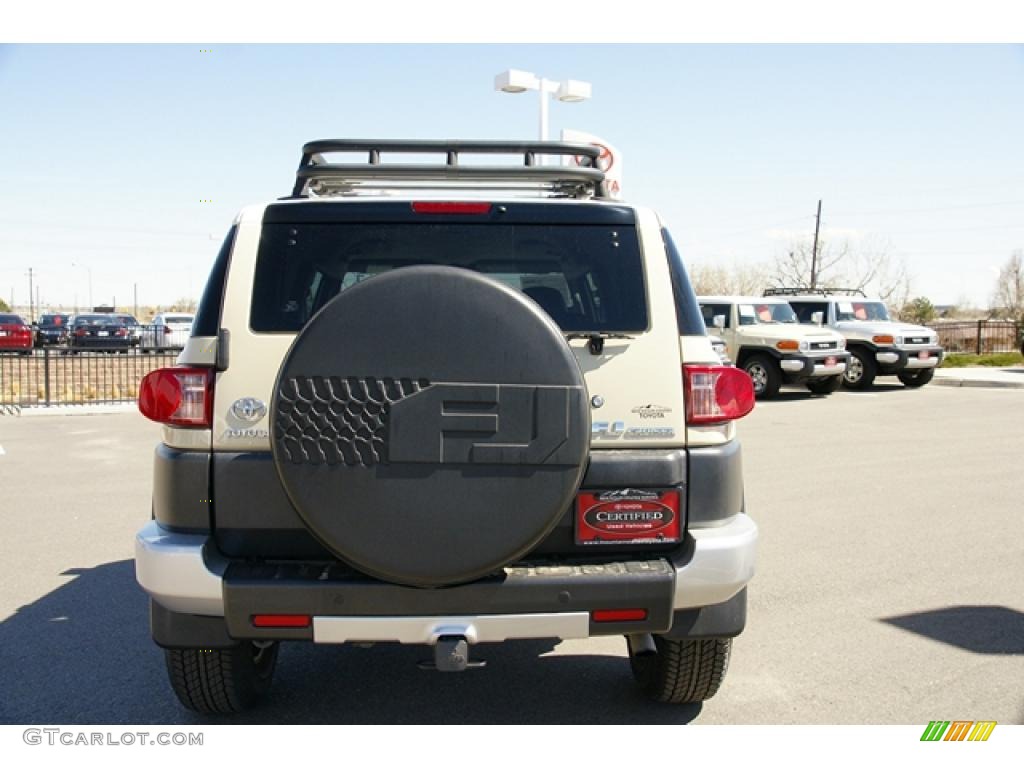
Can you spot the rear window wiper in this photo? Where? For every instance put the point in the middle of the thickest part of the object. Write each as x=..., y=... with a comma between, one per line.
x=596, y=338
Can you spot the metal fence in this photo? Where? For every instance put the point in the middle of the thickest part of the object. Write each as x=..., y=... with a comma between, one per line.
x=979, y=337
x=61, y=376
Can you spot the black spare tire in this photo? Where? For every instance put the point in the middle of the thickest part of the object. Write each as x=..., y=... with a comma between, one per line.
x=430, y=425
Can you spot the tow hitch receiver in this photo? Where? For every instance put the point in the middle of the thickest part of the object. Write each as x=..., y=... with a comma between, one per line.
x=451, y=654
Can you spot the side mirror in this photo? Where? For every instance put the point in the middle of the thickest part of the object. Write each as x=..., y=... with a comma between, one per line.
x=718, y=321
x=818, y=318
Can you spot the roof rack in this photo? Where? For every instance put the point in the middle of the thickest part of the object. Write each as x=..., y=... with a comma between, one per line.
x=816, y=291
x=317, y=177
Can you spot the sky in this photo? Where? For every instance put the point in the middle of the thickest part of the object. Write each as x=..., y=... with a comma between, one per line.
x=122, y=166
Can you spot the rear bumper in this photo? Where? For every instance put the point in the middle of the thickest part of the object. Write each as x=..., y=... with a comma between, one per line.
x=184, y=574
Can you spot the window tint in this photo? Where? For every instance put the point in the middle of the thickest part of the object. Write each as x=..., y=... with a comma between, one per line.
x=207, y=320
x=708, y=312
x=687, y=313
x=587, y=277
x=10, y=320
x=805, y=309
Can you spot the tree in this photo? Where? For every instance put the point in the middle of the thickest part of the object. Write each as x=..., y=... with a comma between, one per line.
x=867, y=266
x=716, y=279
x=4, y=307
x=1008, y=297
x=184, y=304
x=919, y=310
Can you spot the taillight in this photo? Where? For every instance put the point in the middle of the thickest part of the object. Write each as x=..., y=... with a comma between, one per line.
x=476, y=209
x=618, y=614
x=80, y=332
x=281, y=620
x=121, y=332
x=716, y=393
x=181, y=397
x=167, y=330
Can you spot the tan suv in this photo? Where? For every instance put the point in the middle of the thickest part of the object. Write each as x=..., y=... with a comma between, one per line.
x=449, y=405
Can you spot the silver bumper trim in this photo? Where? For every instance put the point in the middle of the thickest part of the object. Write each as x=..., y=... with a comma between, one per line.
x=917, y=362
x=426, y=630
x=172, y=568
x=722, y=564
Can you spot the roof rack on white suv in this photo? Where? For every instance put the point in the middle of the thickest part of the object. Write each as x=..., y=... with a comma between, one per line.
x=819, y=291
x=579, y=179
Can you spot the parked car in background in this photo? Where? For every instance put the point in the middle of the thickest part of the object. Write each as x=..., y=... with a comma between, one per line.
x=878, y=345
x=96, y=331
x=15, y=335
x=134, y=328
x=168, y=330
x=763, y=337
x=52, y=329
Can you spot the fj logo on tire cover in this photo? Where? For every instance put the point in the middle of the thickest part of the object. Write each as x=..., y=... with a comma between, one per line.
x=485, y=424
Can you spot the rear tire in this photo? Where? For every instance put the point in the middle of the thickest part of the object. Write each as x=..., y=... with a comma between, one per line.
x=916, y=378
x=826, y=385
x=682, y=671
x=765, y=375
x=221, y=681
x=861, y=370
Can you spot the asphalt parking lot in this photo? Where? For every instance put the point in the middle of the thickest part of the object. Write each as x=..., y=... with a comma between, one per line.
x=890, y=587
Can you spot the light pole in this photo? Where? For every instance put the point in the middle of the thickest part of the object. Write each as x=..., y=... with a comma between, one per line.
x=89, y=270
x=517, y=81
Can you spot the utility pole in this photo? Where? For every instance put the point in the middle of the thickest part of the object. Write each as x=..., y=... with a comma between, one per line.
x=31, y=296
x=814, y=251
x=135, y=297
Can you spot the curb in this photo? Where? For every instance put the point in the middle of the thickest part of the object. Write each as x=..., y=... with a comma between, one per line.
x=980, y=383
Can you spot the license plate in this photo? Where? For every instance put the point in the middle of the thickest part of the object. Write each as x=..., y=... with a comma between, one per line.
x=103, y=333
x=830, y=361
x=628, y=517
x=924, y=354
x=3, y=333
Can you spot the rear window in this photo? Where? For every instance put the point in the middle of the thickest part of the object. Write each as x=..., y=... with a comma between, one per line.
x=11, y=320
x=95, y=320
x=53, y=319
x=177, y=318
x=588, y=277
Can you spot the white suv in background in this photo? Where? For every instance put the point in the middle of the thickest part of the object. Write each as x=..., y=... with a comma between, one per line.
x=763, y=337
x=879, y=346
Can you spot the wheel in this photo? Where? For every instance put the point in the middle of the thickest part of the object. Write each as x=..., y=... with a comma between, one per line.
x=682, y=671
x=861, y=370
x=221, y=680
x=826, y=385
x=916, y=379
x=765, y=374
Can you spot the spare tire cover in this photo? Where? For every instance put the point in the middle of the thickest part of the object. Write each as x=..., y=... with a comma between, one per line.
x=430, y=425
